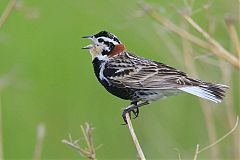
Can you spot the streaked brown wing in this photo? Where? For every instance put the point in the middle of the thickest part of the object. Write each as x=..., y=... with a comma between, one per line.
x=136, y=72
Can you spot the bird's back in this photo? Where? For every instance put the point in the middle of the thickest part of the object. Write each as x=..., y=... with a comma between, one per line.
x=151, y=80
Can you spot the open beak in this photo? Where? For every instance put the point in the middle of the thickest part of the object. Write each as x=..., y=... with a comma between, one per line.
x=88, y=46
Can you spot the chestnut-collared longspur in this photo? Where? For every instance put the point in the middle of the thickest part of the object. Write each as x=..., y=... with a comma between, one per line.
x=141, y=80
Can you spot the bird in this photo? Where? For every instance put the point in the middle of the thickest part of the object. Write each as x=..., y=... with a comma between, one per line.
x=141, y=80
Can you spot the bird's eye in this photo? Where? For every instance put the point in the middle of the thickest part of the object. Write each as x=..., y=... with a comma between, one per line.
x=100, y=40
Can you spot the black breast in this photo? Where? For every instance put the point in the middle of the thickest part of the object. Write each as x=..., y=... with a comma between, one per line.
x=121, y=92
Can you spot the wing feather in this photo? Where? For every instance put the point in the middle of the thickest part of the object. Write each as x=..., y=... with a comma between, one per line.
x=136, y=72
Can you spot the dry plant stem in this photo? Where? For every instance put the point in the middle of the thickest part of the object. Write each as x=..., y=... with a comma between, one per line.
x=220, y=139
x=89, y=152
x=134, y=137
x=39, y=141
x=179, y=154
x=78, y=148
x=198, y=150
x=87, y=132
x=233, y=35
x=215, y=47
x=7, y=11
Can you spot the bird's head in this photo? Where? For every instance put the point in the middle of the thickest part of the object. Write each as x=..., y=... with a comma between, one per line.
x=105, y=45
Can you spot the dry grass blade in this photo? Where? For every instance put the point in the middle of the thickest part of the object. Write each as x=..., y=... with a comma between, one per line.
x=134, y=137
x=7, y=11
x=89, y=152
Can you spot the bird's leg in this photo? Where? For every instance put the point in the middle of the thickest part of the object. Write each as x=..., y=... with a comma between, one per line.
x=132, y=108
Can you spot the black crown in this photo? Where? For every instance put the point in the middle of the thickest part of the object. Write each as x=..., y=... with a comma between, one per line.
x=107, y=35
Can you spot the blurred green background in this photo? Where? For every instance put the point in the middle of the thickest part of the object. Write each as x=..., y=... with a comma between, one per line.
x=50, y=80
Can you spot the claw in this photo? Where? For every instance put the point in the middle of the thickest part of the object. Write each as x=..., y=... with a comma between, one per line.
x=135, y=112
x=134, y=108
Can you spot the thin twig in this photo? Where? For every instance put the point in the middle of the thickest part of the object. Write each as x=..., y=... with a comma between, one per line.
x=179, y=154
x=134, y=137
x=198, y=150
x=220, y=139
x=39, y=141
x=87, y=133
x=89, y=152
x=75, y=146
x=7, y=11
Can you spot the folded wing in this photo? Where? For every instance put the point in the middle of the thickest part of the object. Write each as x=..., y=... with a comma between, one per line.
x=136, y=72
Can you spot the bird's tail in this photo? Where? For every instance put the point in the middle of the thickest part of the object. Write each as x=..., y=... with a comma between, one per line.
x=209, y=91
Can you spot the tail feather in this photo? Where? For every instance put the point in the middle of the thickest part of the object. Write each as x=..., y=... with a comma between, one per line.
x=209, y=91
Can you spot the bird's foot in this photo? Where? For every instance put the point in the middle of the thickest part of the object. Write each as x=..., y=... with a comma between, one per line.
x=133, y=109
